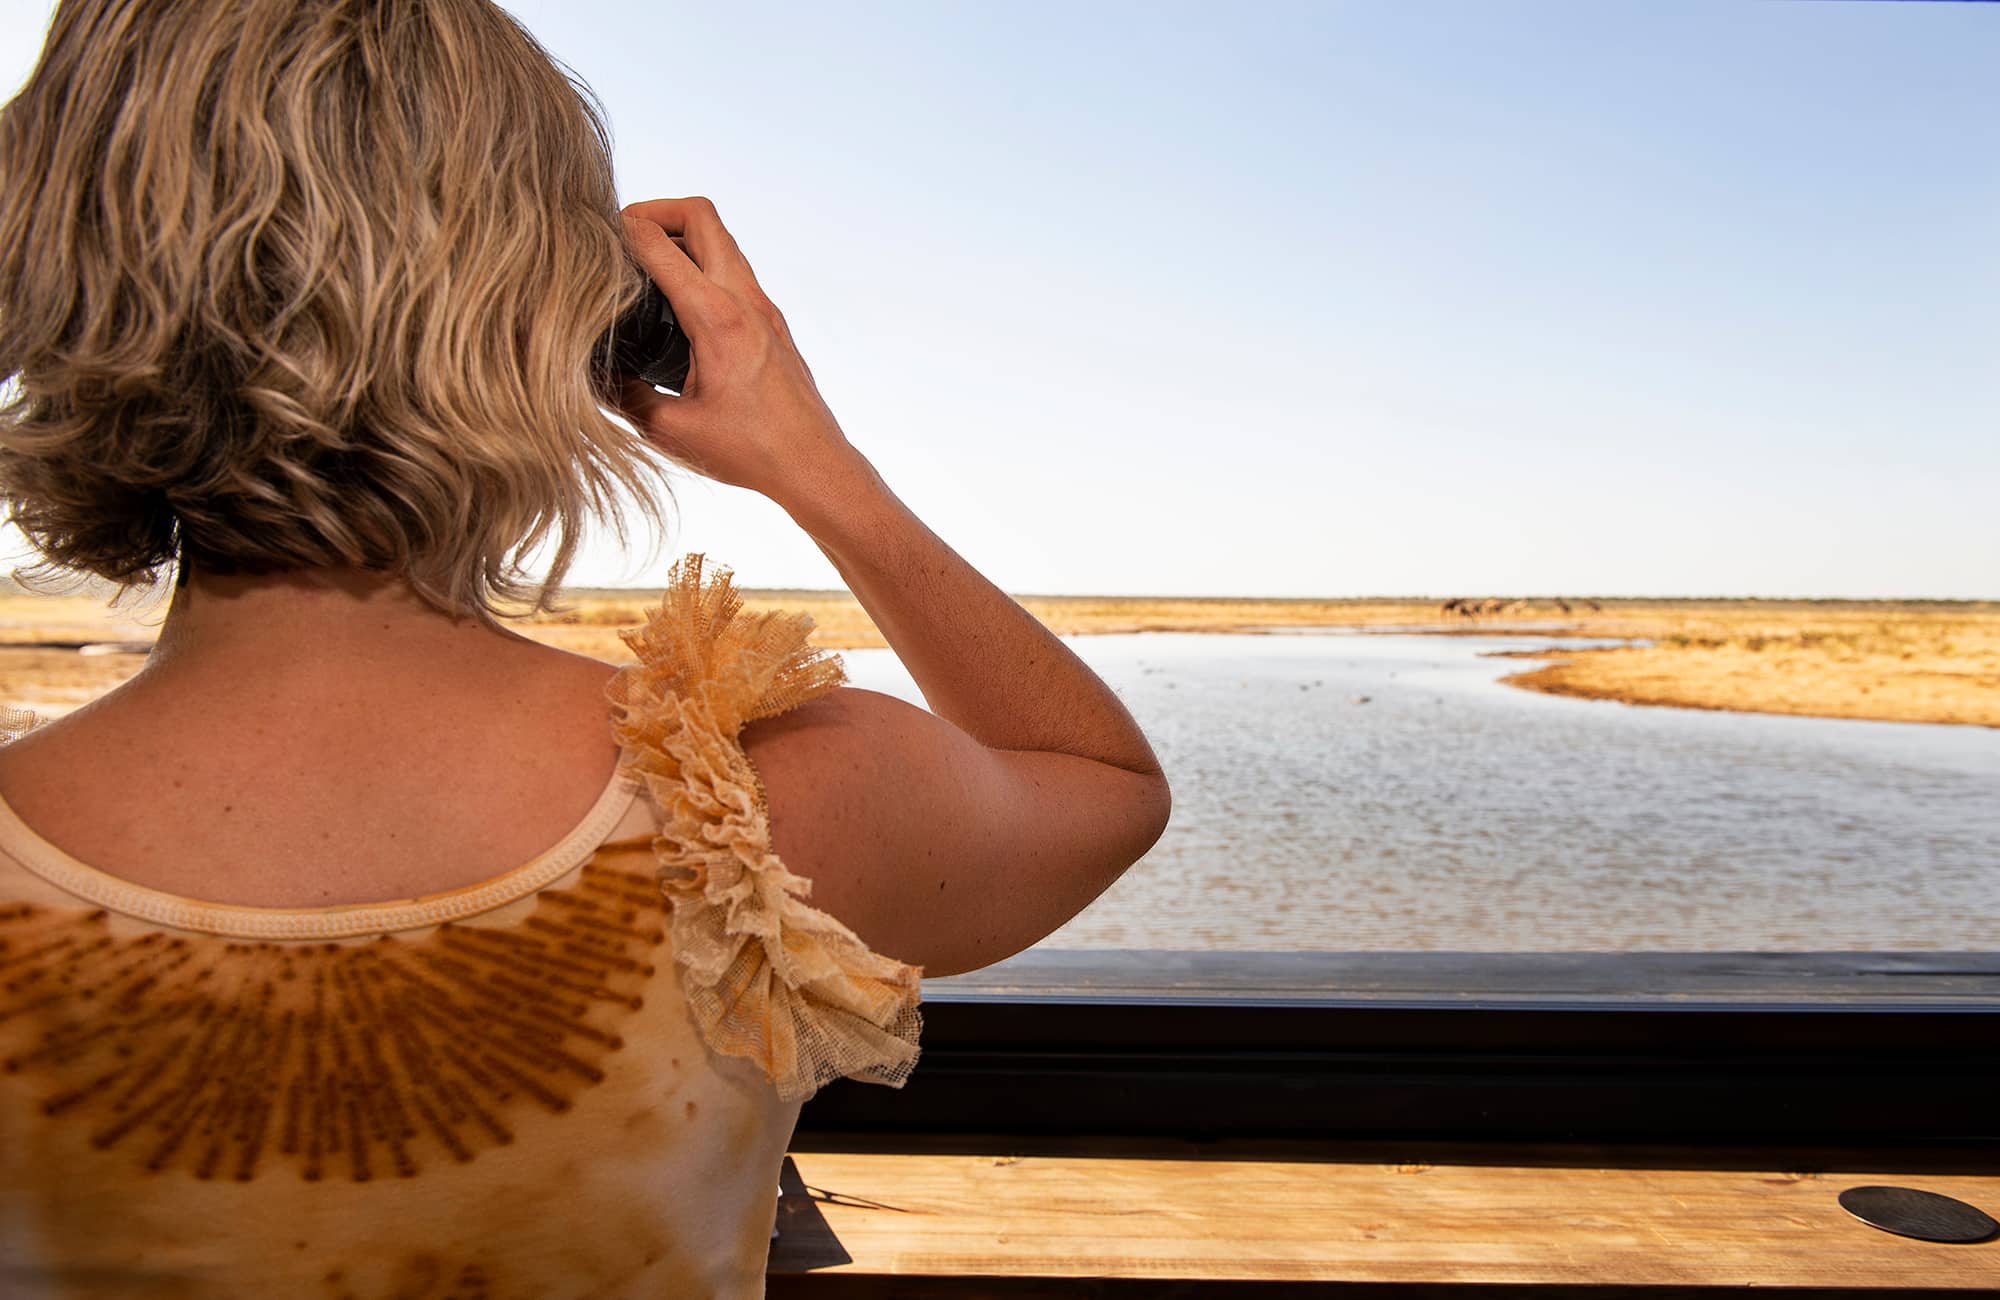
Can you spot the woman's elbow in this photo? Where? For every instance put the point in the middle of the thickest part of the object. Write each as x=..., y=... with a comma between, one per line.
x=1153, y=808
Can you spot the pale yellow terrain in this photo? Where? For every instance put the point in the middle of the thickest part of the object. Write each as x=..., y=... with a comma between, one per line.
x=841, y=624
x=39, y=669
x=1911, y=662
x=1906, y=663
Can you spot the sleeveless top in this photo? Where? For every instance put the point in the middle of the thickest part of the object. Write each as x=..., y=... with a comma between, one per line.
x=577, y=1078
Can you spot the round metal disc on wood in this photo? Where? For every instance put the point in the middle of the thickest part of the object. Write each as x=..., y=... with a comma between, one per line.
x=1908, y=1212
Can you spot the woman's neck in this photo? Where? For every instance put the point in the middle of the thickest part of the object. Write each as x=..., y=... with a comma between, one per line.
x=338, y=615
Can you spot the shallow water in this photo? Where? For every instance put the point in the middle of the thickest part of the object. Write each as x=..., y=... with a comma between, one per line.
x=1343, y=791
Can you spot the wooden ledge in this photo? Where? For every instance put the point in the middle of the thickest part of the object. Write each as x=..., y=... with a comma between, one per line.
x=960, y=1215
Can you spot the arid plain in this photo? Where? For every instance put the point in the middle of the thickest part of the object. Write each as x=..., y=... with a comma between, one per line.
x=1894, y=661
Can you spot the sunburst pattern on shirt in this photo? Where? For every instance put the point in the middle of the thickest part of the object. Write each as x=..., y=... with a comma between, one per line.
x=358, y=1060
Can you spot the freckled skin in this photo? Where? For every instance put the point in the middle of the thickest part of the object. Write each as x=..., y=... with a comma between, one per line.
x=481, y=1110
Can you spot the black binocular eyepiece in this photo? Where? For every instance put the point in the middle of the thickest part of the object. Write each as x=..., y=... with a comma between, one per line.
x=647, y=343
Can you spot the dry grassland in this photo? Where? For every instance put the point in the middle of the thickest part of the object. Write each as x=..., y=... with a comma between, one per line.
x=1902, y=662
x=1896, y=663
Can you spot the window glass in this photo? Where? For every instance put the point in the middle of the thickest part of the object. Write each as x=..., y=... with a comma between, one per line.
x=1529, y=468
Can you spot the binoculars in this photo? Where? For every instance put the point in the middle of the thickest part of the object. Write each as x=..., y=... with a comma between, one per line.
x=646, y=343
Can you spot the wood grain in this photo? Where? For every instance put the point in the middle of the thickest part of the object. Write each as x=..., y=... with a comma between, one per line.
x=1366, y=1219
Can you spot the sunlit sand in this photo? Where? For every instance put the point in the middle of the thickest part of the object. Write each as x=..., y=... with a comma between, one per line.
x=1894, y=661
x=1898, y=663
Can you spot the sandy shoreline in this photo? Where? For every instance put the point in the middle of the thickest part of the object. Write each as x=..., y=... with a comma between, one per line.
x=1903, y=662
x=1794, y=679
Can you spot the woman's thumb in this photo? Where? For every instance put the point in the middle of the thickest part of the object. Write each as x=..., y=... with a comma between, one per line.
x=654, y=415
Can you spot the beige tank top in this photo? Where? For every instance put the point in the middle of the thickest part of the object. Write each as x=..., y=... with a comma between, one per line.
x=574, y=1079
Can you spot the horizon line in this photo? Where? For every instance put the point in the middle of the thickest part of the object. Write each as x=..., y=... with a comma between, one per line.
x=1408, y=599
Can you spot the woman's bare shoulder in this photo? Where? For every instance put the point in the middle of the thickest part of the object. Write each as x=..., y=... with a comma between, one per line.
x=414, y=786
x=933, y=848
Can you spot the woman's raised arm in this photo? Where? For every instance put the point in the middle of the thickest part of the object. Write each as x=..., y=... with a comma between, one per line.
x=948, y=839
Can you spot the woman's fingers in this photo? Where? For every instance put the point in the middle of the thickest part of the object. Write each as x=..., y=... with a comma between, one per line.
x=701, y=307
x=695, y=221
x=663, y=259
x=750, y=414
x=703, y=253
x=694, y=218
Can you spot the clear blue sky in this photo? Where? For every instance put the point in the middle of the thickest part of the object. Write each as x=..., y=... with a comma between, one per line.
x=1350, y=298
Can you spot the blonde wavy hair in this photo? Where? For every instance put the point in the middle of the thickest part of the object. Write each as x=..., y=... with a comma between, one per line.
x=292, y=284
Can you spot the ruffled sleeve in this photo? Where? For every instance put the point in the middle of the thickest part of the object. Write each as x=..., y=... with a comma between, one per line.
x=767, y=976
x=15, y=723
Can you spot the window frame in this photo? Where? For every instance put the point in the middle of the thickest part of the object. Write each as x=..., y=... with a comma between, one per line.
x=1716, y=1048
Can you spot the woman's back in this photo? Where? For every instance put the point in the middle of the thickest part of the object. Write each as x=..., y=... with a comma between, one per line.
x=335, y=748
x=358, y=946
x=500, y=1088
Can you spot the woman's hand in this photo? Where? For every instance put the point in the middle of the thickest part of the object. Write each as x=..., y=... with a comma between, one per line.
x=750, y=415
x=1024, y=789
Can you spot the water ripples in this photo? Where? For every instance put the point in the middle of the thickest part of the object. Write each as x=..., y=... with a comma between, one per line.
x=1346, y=792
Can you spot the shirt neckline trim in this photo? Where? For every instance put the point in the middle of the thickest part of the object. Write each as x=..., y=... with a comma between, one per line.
x=346, y=920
